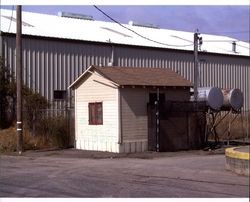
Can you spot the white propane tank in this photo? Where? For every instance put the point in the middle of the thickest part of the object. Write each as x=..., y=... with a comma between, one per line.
x=233, y=98
x=212, y=95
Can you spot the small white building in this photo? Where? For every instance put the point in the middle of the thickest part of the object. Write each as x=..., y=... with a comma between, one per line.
x=111, y=105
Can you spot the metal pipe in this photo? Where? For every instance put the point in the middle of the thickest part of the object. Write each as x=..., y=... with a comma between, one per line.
x=119, y=117
x=196, y=38
x=247, y=125
x=112, y=55
x=157, y=121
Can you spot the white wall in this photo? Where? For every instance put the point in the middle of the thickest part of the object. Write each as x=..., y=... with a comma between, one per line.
x=97, y=137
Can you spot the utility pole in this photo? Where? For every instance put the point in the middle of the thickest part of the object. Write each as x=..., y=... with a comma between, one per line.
x=196, y=63
x=19, y=79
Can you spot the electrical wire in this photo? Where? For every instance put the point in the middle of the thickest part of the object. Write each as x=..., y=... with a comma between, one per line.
x=220, y=41
x=165, y=44
x=11, y=18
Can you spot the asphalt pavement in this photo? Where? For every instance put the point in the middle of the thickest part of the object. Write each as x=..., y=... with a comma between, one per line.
x=75, y=173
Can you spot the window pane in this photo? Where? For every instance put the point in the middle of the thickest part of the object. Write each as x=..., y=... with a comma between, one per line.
x=60, y=94
x=91, y=113
x=95, y=113
x=99, y=113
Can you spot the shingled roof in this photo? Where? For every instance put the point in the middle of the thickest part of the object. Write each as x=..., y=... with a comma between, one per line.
x=134, y=76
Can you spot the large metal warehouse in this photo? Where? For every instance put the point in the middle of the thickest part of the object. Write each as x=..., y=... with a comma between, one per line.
x=57, y=50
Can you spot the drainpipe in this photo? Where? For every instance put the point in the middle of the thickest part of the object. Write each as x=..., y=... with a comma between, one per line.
x=119, y=116
x=111, y=62
x=112, y=55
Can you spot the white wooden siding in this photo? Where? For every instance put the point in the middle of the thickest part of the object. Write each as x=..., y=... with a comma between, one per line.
x=97, y=137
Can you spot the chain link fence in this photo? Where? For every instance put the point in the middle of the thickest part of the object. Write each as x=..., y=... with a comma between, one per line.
x=56, y=125
x=234, y=126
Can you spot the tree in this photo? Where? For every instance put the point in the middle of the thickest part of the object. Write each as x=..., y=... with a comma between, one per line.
x=7, y=83
x=32, y=101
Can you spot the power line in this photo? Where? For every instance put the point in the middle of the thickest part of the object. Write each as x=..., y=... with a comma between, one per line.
x=220, y=40
x=165, y=44
x=11, y=18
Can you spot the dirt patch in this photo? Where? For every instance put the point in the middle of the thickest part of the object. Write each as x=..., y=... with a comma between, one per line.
x=83, y=154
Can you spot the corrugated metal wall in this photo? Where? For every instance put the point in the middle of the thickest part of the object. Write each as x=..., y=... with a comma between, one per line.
x=53, y=65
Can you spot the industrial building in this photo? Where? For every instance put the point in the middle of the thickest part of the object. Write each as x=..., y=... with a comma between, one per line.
x=58, y=49
x=113, y=109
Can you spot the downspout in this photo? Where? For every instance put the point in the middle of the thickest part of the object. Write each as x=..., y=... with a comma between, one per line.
x=111, y=62
x=112, y=55
x=119, y=116
x=76, y=121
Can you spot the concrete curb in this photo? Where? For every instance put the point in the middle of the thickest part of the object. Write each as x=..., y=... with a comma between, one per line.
x=238, y=160
x=233, y=153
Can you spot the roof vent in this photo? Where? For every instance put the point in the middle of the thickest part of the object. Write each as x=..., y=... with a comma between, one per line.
x=148, y=25
x=234, y=46
x=75, y=16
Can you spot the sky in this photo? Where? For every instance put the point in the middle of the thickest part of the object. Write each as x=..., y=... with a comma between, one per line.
x=232, y=21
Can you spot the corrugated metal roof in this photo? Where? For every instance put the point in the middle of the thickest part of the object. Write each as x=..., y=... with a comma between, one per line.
x=134, y=76
x=98, y=31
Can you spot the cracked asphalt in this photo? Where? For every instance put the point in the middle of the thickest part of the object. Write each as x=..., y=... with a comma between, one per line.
x=75, y=173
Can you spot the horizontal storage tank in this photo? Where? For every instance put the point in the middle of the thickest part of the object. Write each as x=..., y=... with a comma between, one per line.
x=233, y=98
x=212, y=96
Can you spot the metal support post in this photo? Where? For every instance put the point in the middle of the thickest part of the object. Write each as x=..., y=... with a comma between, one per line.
x=196, y=62
x=157, y=121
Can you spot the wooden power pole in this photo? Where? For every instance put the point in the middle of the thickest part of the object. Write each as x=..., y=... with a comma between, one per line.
x=19, y=79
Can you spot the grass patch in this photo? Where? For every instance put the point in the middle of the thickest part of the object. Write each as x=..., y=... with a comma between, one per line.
x=8, y=141
x=51, y=132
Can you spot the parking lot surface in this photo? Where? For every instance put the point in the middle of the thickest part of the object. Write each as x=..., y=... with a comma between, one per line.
x=74, y=173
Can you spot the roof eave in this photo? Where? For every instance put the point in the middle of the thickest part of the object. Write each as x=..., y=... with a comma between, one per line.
x=92, y=67
x=157, y=86
x=72, y=86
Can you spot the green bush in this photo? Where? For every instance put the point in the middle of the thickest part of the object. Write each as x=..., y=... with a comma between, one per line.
x=6, y=95
x=33, y=102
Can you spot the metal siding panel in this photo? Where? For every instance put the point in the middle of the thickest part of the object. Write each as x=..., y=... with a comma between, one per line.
x=52, y=64
x=24, y=73
x=51, y=73
x=38, y=72
x=231, y=76
x=247, y=100
x=200, y=74
x=46, y=67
